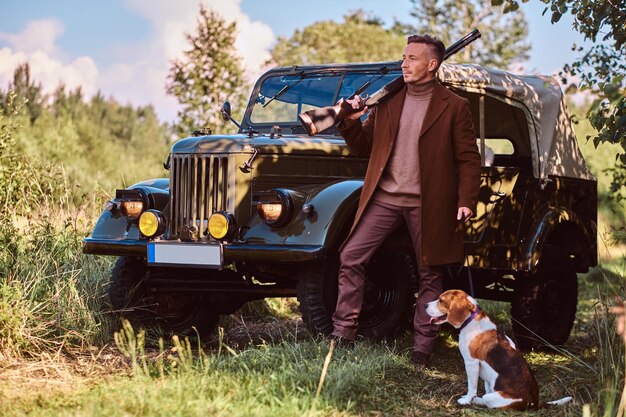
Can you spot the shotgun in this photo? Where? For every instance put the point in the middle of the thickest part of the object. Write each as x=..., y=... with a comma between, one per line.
x=317, y=120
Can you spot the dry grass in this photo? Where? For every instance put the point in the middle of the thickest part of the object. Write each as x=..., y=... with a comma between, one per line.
x=620, y=321
x=24, y=383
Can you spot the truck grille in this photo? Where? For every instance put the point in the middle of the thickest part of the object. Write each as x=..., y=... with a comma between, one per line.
x=199, y=186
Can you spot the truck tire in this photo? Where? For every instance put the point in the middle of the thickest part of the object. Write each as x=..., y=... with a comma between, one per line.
x=544, y=304
x=387, y=302
x=170, y=312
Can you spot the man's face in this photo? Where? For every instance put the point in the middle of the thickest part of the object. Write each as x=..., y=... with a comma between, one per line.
x=418, y=63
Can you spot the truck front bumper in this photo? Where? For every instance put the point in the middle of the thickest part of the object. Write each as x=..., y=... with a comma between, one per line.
x=236, y=252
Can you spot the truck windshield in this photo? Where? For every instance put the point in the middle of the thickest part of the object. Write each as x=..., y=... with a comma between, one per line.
x=309, y=92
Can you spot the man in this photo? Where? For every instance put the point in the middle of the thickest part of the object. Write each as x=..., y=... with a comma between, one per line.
x=424, y=169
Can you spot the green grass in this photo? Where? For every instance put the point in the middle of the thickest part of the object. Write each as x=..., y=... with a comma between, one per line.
x=281, y=379
x=52, y=297
x=277, y=373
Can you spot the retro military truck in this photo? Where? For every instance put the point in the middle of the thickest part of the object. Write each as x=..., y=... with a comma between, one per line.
x=262, y=213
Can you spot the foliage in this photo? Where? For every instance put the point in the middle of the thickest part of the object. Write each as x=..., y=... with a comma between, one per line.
x=362, y=38
x=357, y=39
x=611, y=360
x=48, y=301
x=209, y=74
x=16, y=321
x=91, y=144
x=23, y=184
x=503, y=39
x=51, y=296
x=601, y=69
x=31, y=91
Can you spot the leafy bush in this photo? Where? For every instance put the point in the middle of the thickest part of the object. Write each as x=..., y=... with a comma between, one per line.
x=50, y=295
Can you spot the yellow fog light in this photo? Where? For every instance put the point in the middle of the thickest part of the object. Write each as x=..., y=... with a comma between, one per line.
x=221, y=225
x=152, y=223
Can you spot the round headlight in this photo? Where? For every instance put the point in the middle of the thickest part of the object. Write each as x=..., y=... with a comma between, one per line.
x=270, y=212
x=152, y=223
x=132, y=209
x=221, y=225
x=274, y=207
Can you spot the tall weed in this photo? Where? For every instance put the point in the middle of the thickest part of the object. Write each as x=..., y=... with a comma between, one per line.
x=55, y=294
x=20, y=330
x=610, y=350
x=52, y=163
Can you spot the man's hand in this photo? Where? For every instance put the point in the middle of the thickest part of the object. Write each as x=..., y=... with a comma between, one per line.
x=356, y=103
x=464, y=214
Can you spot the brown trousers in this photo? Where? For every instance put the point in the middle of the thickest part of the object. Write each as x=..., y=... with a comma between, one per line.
x=378, y=221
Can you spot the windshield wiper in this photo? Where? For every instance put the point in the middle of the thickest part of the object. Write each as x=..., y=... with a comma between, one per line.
x=283, y=90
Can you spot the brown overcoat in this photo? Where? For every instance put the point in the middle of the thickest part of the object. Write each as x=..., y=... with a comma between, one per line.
x=449, y=166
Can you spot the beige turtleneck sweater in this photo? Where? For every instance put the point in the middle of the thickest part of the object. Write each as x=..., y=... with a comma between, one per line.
x=400, y=182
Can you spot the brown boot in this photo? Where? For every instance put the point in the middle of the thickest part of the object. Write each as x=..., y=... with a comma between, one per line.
x=421, y=360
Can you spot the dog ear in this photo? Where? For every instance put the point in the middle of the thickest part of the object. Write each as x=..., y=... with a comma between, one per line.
x=459, y=310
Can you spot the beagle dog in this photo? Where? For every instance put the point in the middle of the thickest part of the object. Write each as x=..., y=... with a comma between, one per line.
x=488, y=354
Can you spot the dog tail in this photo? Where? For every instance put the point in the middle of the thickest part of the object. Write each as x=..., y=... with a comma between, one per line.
x=562, y=401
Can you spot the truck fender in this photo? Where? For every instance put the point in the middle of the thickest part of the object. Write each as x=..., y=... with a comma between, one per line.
x=561, y=227
x=115, y=226
x=158, y=191
x=331, y=211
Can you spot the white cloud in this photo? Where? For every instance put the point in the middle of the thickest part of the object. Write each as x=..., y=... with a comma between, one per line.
x=139, y=83
x=137, y=71
x=38, y=36
x=171, y=21
x=36, y=44
x=253, y=43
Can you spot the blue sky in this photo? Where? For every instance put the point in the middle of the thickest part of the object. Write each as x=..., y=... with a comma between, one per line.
x=123, y=47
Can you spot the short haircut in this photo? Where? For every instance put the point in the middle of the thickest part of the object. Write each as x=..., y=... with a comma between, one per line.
x=435, y=45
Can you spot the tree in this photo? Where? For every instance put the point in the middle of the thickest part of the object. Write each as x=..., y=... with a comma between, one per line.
x=601, y=69
x=209, y=74
x=503, y=37
x=357, y=39
x=28, y=92
x=64, y=102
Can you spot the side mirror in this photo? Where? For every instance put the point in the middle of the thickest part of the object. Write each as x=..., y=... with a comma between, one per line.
x=226, y=114
x=226, y=111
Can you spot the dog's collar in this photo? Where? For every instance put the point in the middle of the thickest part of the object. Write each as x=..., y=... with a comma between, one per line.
x=470, y=318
